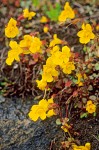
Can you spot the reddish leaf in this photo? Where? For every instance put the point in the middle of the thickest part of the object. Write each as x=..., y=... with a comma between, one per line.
x=68, y=83
x=75, y=93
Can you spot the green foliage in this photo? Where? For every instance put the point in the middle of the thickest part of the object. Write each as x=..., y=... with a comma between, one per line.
x=84, y=115
x=97, y=66
x=53, y=13
x=35, y=2
x=25, y=4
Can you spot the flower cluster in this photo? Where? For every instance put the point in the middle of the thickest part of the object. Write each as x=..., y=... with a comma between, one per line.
x=90, y=107
x=57, y=58
x=68, y=12
x=42, y=110
x=29, y=44
x=86, y=34
x=86, y=147
x=27, y=14
x=11, y=30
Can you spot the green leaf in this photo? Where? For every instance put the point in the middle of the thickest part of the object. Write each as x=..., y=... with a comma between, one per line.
x=83, y=115
x=94, y=114
x=53, y=13
x=35, y=2
x=97, y=66
x=3, y=83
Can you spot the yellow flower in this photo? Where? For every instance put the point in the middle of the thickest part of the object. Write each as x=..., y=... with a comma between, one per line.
x=28, y=14
x=65, y=54
x=68, y=67
x=86, y=147
x=66, y=13
x=14, y=53
x=55, y=41
x=86, y=34
x=51, y=113
x=62, y=16
x=54, y=49
x=49, y=72
x=36, y=46
x=65, y=127
x=90, y=107
x=41, y=84
x=44, y=19
x=50, y=101
x=45, y=29
x=11, y=30
x=26, y=43
x=79, y=76
x=97, y=27
x=39, y=110
x=59, y=58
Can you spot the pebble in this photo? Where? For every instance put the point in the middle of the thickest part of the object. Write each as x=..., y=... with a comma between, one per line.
x=2, y=99
x=92, y=97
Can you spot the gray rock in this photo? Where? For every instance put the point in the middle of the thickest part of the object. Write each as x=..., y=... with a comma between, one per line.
x=2, y=99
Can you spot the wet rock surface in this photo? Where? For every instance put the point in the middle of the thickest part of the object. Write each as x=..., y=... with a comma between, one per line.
x=17, y=132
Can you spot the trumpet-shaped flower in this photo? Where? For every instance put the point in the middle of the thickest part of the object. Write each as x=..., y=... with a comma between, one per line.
x=14, y=53
x=66, y=13
x=26, y=43
x=11, y=30
x=54, y=49
x=68, y=67
x=51, y=113
x=56, y=57
x=36, y=46
x=45, y=29
x=28, y=14
x=55, y=41
x=50, y=101
x=60, y=57
x=80, y=78
x=79, y=82
x=41, y=84
x=90, y=107
x=86, y=147
x=65, y=54
x=44, y=19
x=86, y=34
x=49, y=72
x=41, y=110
